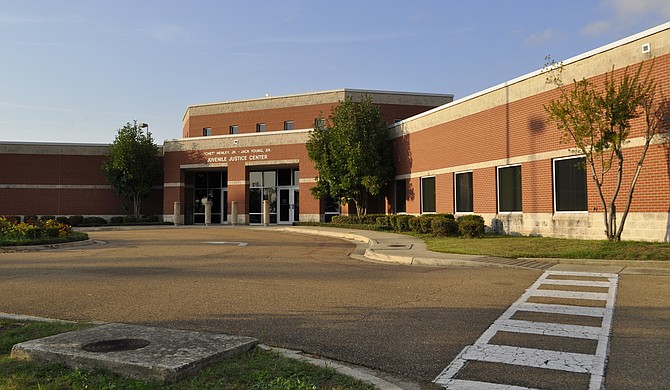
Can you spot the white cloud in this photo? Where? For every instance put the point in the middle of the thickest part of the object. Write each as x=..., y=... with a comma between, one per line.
x=540, y=38
x=597, y=28
x=627, y=12
x=635, y=8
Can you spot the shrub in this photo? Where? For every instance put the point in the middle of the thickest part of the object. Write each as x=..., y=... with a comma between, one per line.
x=64, y=229
x=12, y=218
x=150, y=218
x=64, y=220
x=45, y=218
x=425, y=223
x=95, y=221
x=402, y=223
x=76, y=220
x=471, y=226
x=51, y=232
x=443, y=227
x=116, y=219
x=30, y=219
x=382, y=221
x=129, y=219
x=12, y=231
x=414, y=224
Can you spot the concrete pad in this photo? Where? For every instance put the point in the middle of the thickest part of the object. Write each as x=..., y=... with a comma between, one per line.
x=161, y=354
x=605, y=269
x=646, y=271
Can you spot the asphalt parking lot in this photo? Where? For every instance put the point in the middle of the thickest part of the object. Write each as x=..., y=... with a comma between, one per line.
x=304, y=292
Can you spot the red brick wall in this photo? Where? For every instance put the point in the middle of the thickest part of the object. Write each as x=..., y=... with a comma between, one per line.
x=303, y=118
x=517, y=129
x=238, y=171
x=52, y=181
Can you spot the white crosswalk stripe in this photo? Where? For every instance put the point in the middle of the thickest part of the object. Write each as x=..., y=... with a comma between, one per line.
x=593, y=364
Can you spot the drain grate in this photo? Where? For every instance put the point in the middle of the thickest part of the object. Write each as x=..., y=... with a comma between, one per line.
x=115, y=345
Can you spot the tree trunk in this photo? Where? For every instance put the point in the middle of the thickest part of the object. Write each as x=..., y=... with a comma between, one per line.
x=136, y=206
x=632, y=188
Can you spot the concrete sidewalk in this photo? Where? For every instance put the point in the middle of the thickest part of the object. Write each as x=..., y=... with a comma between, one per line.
x=409, y=250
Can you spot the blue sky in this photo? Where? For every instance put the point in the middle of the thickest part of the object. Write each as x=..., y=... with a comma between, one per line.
x=77, y=71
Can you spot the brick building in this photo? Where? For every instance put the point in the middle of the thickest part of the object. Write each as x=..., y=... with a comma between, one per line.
x=492, y=153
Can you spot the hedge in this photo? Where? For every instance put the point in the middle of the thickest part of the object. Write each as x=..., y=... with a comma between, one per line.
x=441, y=225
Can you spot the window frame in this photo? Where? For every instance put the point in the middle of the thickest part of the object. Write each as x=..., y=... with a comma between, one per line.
x=434, y=194
x=498, y=188
x=289, y=125
x=206, y=131
x=472, y=192
x=555, y=187
x=234, y=129
x=260, y=127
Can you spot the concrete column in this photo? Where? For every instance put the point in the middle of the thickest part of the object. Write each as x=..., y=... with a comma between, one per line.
x=233, y=213
x=177, y=213
x=266, y=212
x=208, y=211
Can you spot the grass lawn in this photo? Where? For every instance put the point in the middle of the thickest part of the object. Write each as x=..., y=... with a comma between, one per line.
x=256, y=369
x=513, y=247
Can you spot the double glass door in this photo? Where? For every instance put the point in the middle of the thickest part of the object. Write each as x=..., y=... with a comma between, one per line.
x=288, y=199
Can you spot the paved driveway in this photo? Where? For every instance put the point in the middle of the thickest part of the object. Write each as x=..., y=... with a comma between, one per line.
x=296, y=291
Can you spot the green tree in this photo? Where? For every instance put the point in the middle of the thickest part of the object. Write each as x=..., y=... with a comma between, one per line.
x=132, y=164
x=351, y=153
x=598, y=122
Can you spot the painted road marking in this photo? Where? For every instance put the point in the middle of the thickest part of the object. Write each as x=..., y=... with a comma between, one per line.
x=227, y=243
x=563, y=309
x=594, y=365
x=548, y=329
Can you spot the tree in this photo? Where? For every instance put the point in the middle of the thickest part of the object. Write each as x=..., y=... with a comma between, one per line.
x=131, y=166
x=351, y=154
x=598, y=122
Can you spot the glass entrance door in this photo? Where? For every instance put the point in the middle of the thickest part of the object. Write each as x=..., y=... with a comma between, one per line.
x=287, y=205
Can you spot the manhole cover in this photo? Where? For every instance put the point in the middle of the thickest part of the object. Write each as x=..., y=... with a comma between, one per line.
x=115, y=345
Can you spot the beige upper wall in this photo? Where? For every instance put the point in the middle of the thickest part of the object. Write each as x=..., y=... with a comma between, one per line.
x=55, y=148
x=620, y=54
x=237, y=141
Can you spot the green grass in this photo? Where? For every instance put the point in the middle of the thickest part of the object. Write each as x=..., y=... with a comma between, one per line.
x=74, y=236
x=513, y=247
x=256, y=369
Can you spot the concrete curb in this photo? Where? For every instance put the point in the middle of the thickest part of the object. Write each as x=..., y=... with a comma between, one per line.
x=72, y=244
x=356, y=373
x=621, y=263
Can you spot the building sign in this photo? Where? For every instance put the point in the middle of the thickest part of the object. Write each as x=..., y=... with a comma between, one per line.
x=228, y=155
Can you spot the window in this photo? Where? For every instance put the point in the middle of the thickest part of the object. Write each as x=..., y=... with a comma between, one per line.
x=570, y=184
x=234, y=129
x=288, y=125
x=319, y=123
x=400, y=196
x=428, y=194
x=509, y=189
x=463, y=189
x=260, y=127
x=207, y=131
